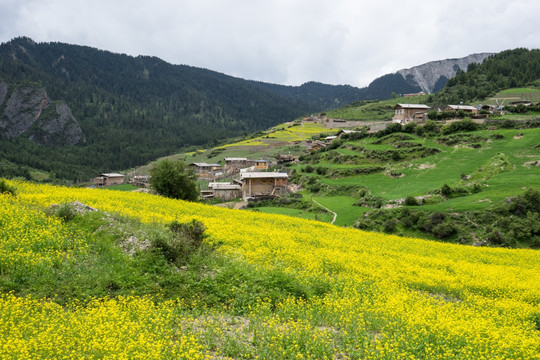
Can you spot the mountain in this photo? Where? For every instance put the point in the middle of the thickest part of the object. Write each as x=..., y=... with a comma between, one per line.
x=315, y=95
x=432, y=76
x=119, y=111
x=29, y=111
x=429, y=78
x=76, y=110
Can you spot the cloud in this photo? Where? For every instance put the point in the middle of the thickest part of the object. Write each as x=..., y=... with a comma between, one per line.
x=282, y=41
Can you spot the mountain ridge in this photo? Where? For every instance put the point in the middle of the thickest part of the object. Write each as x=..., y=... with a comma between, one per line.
x=433, y=75
x=132, y=110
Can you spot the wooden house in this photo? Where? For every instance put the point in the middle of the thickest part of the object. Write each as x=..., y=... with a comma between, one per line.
x=465, y=108
x=108, y=179
x=256, y=184
x=261, y=164
x=315, y=145
x=225, y=191
x=285, y=158
x=405, y=113
x=204, y=170
x=234, y=164
x=345, y=132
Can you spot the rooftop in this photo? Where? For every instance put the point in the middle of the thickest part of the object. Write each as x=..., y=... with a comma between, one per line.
x=259, y=175
x=111, y=175
x=462, y=107
x=412, y=106
x=223, y=186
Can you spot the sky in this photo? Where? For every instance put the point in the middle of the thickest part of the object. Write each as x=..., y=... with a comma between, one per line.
x=287, y=42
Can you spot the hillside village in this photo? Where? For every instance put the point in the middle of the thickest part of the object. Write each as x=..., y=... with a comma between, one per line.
x=250, y=179
x=402, y=228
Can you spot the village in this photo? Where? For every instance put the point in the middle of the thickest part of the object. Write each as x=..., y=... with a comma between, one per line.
x=251, y=179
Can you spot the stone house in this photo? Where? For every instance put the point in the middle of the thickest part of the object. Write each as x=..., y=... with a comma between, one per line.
x=405, y=113
x=465, y=108
x=204, y=170
x=263, y=184
x=234, y=164
x=222, y=190
x=261, y=164
x=108, y=179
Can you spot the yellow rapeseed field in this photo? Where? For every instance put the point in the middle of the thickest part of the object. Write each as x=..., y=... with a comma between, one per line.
x=390, y=298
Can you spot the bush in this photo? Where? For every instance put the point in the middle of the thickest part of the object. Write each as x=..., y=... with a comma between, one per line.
x=66, y=212
x=444, y=230
x=5, y=188
x=411, y=201
x=390, y=225
x=173, y=180
x=446, y=190
x=409, y=127
x=495, y=237
x=183, y=240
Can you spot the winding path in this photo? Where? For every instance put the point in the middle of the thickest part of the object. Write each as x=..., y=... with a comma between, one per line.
x=324, y=207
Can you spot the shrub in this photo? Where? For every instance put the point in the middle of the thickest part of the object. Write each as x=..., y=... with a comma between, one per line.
x=390, y=225
x=5, y=188
x=437, y=218
x=173, y=180
x=411, y=201
x=315, y=188
x=183, y=240
x=409, y=127
x=431, y=126
x=495, y=237
x=66, y=212
x=444, y=230
x=446, y=190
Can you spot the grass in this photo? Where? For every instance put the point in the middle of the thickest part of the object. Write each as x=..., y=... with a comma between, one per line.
x=373, y=110
x=345, y=208
x=262, y=286
x=429, y=174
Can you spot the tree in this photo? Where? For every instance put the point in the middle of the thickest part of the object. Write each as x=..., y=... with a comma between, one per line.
x=172, y=179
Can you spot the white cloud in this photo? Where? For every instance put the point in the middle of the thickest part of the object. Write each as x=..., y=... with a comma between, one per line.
x=284, y=41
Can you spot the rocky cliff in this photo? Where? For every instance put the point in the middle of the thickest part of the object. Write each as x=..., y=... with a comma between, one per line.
x=26, y=110
x=432, y=76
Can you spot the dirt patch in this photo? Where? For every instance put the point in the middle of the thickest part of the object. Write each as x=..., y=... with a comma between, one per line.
x=426, y=166
x=532, y=163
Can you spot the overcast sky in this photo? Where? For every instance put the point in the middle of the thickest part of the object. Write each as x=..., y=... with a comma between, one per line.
x=282, y=41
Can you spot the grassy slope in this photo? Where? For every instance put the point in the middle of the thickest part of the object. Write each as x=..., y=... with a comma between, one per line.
x=274, y=287
x=373, y=111
x=449, y=164
x=430, y=173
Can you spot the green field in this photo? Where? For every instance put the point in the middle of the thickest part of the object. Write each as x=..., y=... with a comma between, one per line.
x=422, y=176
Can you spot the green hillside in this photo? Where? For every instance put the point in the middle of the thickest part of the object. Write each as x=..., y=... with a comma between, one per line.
x=132, y=110
x=112, y=274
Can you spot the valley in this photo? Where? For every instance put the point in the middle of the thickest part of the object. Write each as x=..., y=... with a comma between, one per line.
x=389, y=228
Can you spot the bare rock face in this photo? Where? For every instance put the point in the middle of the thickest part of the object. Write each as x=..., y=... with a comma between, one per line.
x=28, y=111
x=428, y=75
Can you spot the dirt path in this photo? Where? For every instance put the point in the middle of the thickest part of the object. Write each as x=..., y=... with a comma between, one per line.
x=327, y=209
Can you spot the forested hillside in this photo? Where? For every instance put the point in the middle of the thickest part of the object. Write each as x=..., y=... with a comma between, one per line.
x=507, y=69
x=131, y=110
